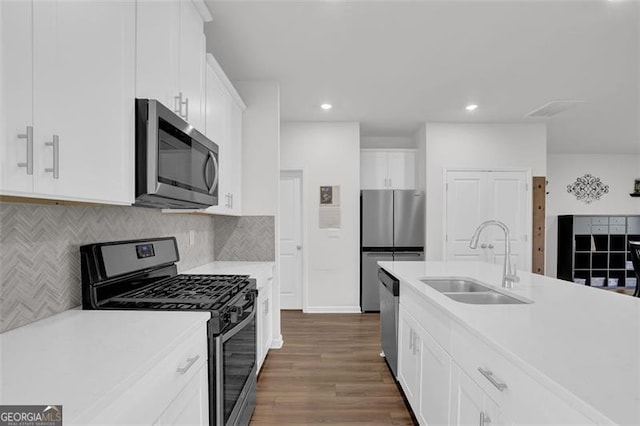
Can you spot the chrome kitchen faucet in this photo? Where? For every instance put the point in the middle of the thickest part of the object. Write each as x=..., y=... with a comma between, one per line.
x=509, y=274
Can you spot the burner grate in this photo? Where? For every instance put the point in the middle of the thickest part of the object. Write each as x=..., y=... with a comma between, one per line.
x=203, y=292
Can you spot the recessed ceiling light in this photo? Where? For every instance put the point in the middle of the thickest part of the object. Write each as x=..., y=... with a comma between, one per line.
x=326, y=106
x=471, y=107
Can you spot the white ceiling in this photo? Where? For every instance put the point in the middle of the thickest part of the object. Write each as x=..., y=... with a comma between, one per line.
x=393, y=65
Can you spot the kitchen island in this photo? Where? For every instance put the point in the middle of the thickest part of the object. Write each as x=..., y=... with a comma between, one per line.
x=571, y=356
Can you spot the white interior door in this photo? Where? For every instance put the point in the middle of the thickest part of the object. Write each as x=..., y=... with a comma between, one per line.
x=475, y=196
x=464, y=204
x=290, y=240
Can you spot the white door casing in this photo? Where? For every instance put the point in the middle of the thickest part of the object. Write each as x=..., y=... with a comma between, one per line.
x=473, y=196
x=291, y=271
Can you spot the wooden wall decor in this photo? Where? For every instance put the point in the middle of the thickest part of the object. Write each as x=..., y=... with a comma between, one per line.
x=539, y=196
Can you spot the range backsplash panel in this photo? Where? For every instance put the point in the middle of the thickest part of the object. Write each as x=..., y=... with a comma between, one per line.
x=40, y=259
x=246, y=238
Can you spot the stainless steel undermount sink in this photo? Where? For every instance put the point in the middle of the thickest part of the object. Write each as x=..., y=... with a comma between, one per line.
x=469, y=291
x=488, y=298
x=455, y=285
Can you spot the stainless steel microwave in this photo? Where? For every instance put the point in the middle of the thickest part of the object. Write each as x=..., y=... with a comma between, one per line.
x=176, y=165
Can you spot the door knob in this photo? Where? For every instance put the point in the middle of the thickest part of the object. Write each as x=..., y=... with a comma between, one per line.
x=490, y=246
x=483, y=245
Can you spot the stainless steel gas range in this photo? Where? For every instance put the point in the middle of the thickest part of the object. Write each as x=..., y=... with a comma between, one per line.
x=142, y=274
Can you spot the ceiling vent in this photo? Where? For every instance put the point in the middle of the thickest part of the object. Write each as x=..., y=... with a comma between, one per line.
x=552, y=109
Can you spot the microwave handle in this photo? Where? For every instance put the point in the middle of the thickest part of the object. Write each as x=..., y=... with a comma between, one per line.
x=212, y=157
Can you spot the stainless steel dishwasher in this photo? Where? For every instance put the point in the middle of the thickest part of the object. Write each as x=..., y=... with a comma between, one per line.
x=389, y=306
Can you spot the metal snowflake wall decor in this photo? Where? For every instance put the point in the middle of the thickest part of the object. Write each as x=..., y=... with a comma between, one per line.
x=588, y=188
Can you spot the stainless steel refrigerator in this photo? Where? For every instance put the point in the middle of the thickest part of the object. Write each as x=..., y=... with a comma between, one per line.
x=392, y=229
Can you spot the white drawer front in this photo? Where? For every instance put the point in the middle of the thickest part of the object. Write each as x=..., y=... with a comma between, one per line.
x=143, y=402
x=522, y=399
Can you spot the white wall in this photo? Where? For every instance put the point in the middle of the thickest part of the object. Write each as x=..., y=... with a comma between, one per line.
x=328, y=154
x=420, y=141
x=260, y=147
x=462, y=145
x=617, y=171
x=386, y=142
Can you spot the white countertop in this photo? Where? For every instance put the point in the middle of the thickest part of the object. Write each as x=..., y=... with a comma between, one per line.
x=84, y=359
x=253, y=269
x=585, y=340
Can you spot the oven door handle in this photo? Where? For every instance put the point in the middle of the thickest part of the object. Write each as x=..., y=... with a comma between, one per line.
x=242, y=324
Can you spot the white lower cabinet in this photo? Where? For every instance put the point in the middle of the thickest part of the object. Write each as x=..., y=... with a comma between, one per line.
x=409, y=357
x=469, y=404
x=191, y=406
x=173, y=391
x=424, y=371
x=265, y=318
x=456, y=378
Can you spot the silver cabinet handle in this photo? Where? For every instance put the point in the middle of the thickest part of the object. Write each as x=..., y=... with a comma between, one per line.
x=56, y=157
x=177, y=104
x=390, y=183
x=29, y=137
x=491, y=246
x=298, y=247
x=190, y=362
x=483, y=245
x=186, y=109
x=266, y=306
x=495, y=382
x=231, y=200
x=484, y=419
x=411, y=340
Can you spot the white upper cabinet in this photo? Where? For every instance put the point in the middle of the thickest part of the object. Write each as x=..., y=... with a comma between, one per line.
x=388, y=169
x=170, y=62
x=68, y=74
x=223, y=118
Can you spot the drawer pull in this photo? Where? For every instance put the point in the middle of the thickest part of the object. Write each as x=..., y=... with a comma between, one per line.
x=484, y=419
x=190, y=362
x=489, y=375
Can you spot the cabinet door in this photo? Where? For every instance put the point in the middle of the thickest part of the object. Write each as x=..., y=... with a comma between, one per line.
x=16, y=92
x=402, y=169
x=158, y=51
x=409, y=357
x=435, y=378
x=218, y=114
x=470, y=405
x=191, y=406
x=373, y=170
x=235, y=159
x=192, y=64
x=84, y=76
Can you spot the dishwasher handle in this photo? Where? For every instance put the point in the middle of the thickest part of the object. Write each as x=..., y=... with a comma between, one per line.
x=389, y=281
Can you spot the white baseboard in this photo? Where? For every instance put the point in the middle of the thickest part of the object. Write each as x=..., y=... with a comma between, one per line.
x=333, y=310
x=277, y=343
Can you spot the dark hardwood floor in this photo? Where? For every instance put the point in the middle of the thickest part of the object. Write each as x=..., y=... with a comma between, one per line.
x=329, y=371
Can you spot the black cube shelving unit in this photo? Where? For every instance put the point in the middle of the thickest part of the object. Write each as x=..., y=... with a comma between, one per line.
x=595, y=249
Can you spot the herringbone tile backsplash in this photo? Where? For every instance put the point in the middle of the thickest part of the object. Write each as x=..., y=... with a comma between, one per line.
x=40, y=258
x=250, y=238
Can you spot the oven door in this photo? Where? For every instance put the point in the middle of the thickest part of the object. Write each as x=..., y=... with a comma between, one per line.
x=236, y=371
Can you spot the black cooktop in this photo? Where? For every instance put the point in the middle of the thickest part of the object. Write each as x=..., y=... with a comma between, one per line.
x=201, y=292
